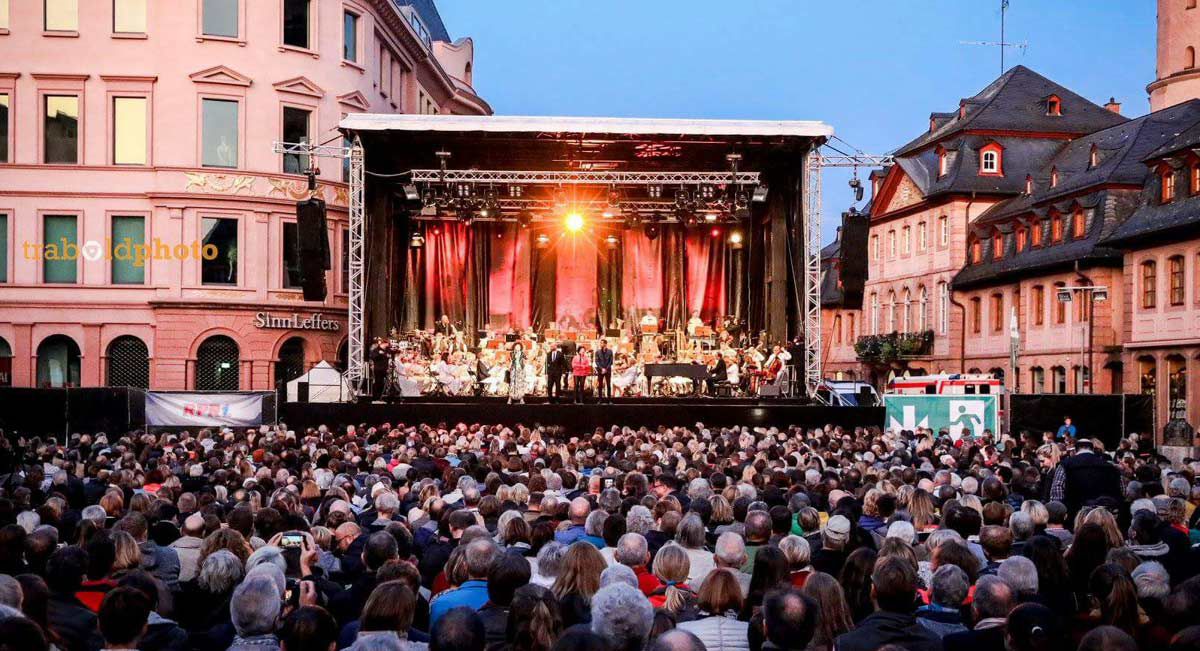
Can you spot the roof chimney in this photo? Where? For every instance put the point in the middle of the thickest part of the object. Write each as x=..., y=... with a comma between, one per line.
x=1113, y=105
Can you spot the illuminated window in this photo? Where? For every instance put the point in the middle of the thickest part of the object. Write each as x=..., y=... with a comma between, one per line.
x=129, y=130
x=1054, y=177
x=1168, y=185
x=129, y=16
x=1194, y=174
x=61, y=15
x=1056, y=228
x=1022, y=238
x=60, y=129
x=1028, y=185
x=976, y=252
x=941, y=162
x=1093, y=157
x=1036, y=231
x=1039, y=304
x=1149, y=285
x=997, y=246
x=1078, y=224
x=1175, y=274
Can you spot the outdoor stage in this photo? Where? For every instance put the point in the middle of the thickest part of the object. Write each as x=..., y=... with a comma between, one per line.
x=582, y=418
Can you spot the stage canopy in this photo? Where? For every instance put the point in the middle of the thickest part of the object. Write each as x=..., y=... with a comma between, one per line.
x=516, y=222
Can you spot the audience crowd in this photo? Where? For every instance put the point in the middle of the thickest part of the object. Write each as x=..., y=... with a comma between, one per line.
x=376, y=538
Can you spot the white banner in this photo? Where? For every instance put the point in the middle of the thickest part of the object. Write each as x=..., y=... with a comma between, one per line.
x=203, y=409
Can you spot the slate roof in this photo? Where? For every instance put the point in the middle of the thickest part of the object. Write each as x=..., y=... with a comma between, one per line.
x=1021, y=156
x=1017, y=101
x=428, y=12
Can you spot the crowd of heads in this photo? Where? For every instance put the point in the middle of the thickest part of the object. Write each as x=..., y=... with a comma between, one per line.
x=451, y=537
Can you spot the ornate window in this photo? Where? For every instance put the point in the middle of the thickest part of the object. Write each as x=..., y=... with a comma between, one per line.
x=943, y=307
x=128, y=363
x=1149, y=285
x=1175, y=274
x=217, y=364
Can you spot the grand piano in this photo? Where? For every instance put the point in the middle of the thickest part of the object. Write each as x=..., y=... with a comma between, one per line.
x=696, y=372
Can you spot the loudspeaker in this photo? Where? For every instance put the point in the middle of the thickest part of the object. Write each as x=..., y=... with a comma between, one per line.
x=853, y=256
x=312, y=247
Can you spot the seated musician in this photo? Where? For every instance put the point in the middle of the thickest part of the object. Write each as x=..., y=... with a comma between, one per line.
x=775, y=363
x=717, y=374
x=694, y=323
x=649, y=321
x=732, y=371
x=444, y=326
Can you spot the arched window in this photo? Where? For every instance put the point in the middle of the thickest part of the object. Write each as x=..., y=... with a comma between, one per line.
x=922, y=309
x=217, y=364
x=1022, y=238
x=290, y=364
x=1053, y=105
x=5, y=353
x=1148, y=375
x=1177, y=387
x=837, y=329
x=1028, y=184
x=128, y=363
x=942, y=162
x=1093, y=157
x=1167, y=176
x=1149, y=285
x=1060, y=308
x=1056, y=228
x=1054, y=177
x=943, y=307
x=1078, y=223
x=976, y=251
x=58, y=362
x=468, y=73
x=991, y=159
x=1189, y=57
x=1175, y=276
x=892, y=311
x=907, y=306
x=1037, y=379
x=1035, y=231
x=874, y=313
x=1058, y=379
x=997, y=245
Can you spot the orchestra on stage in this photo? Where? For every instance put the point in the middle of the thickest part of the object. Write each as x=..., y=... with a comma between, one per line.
x=568, y=362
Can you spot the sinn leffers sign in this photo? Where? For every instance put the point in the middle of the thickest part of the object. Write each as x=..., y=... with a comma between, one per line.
x=295, y=322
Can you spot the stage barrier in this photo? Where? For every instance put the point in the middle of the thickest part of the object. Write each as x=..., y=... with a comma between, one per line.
x=1104, y=417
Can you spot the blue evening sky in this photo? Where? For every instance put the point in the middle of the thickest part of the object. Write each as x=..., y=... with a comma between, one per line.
x=874, y=70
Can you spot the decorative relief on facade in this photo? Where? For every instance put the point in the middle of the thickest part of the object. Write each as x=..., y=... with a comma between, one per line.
x=274, y=187
x=219, y=183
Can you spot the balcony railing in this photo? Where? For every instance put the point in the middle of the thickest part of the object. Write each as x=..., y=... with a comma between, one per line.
x=894, y=347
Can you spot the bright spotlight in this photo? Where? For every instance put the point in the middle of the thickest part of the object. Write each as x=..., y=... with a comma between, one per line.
x=735, y=240
x=542, y=241
x=574, y=222
x=612, y=241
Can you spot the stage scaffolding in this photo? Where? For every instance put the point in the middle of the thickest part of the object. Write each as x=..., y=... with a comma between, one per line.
x=354, y=124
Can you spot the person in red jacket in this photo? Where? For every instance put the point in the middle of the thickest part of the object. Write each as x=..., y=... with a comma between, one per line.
x=581, y=368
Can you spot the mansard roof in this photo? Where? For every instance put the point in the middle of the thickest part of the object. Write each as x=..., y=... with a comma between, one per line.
x=1016, y=101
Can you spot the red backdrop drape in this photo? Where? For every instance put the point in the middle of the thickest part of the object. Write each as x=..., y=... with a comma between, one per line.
x=448, y=261
x=642, y=281
x=704, y=269
x=508, y=289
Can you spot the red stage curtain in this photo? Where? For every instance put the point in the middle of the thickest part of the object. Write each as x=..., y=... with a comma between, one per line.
x=575, y=289
x=642, y=282
x=508, y=288
x=705, y=274
x=448, y=258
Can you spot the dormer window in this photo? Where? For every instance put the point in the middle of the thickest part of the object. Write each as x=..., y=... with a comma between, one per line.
x=976, y=252
x=1022, y=238
x=1078, y=224
x=997, y=246
x=1167, y=175
x=1093, y=158
x=962, y=111
x=1036, y=228
x=932, y=125
x=1054, y=177
x=1056, y=228
x=990, y=161
x=1028, y=185
x=1194, y=178
x=943, y=163
x=1053, y=105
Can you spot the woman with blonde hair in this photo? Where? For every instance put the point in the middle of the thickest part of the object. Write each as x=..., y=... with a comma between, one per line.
x=577, y=581
x=225, y=538
x=671, y=566
x=921, y=510
x=128, y=556
x=718, y=604
x=831, y=604
x=722, y=512
x=1107, y=522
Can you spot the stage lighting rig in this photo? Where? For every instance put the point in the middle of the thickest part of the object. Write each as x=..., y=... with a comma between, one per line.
x=542, y=241
x=651, y=228
x=524, y=219
x=490, y=206
x=612, y=241
x=574, y=222
x=411, y=193
x=736, y=240
x=760, y=194
x=416, y=240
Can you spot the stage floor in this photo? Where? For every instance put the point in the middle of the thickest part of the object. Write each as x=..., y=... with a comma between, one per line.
x=634, y=412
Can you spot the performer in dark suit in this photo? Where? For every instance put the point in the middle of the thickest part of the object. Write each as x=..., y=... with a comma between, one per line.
x=556, y=367
x=717, y=374
x=603, y=363
x=380, y=355
x=445, y=327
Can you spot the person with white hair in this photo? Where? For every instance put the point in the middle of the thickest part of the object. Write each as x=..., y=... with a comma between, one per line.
x=546, y=565
x=1152, y=581
x=11, y=593
x=95, y=513
x=593, y=528
x=254, y=612
x=29, y=520
x=799, y=557
x=634, y=552
x=622, y=616
x=639, y=520
x=730, y=555
x=690, y=535
x=903, y=530
x=1021, y=575
x=619, y=574
x=188, y=546
x=942, y=616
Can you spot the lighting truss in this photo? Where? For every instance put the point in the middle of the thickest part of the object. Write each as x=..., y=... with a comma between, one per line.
x=305, y=149
x=598, y=177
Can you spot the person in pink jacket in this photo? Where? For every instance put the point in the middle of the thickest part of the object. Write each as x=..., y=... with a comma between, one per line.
x=581, y=368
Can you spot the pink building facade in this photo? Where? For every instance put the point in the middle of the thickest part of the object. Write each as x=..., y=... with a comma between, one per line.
x=129, y=124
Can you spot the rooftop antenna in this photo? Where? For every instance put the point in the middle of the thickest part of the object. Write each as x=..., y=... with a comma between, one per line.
x=1002, y=43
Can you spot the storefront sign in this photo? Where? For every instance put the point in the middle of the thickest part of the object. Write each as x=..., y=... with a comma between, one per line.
x=295, y=322
x=954, y=413
x=203, y=409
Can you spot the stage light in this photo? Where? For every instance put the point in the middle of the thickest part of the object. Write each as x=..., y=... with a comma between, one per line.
x=574, y=222
x=612, y=241
x=651, y=231
x=542, y=241
x=524, y=219
x=417, y=240
x=711, y=216
x=735, y=239
x=760, y=194
x=631, y=220
x=716, y=232
x=411, y=193
x=613, y=209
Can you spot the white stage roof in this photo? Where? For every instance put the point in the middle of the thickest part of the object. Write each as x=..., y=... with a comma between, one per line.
x=584, y=125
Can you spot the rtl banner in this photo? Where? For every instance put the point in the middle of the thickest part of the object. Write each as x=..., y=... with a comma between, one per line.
x=957, y=414
x=203, y=409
